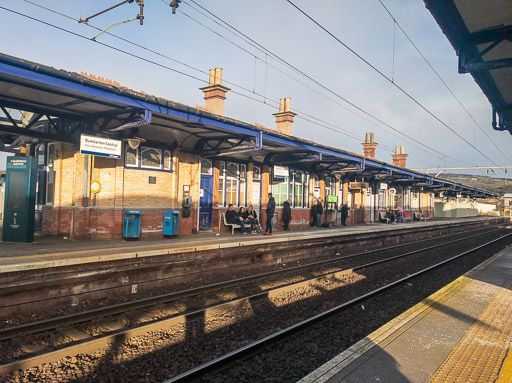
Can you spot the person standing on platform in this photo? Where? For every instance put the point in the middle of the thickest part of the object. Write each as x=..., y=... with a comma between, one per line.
x=313, y=214
x=319, y=212
x=400, y=214
x=287, y=215
x=344, y=214
x=271, y=207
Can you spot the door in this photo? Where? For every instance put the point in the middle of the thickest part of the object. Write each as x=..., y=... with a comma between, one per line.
x=206, y=203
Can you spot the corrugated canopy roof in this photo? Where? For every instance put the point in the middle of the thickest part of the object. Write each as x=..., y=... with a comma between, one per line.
x=481, y=33
x=73, y=104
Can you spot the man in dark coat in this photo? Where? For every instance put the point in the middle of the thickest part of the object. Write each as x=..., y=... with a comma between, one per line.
x=313, y=214
x=271, y=207
x=287, y=215
x=233, y=217
x=344, y=214
x=319, y=212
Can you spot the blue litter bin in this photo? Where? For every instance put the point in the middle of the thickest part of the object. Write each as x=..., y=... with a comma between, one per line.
x=131, y=227
x=171, y=222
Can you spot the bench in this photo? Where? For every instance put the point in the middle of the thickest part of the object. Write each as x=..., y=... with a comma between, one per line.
x=382, y=218
x=233, y=225
x=417, y=217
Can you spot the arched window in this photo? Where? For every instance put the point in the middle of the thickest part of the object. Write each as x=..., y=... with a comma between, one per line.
x=256, y=173
x=206, y=166
x=151, y=158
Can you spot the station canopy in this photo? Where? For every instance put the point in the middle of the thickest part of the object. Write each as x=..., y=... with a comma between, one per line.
x=480, y=31
x=58, y=105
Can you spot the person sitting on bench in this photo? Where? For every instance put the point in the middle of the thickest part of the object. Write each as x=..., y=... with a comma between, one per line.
x=233, y=218
x=252, y=218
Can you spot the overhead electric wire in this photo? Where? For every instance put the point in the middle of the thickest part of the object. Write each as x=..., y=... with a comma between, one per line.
x=421, y=146
x=164, y=66
x=158, y=64
x=440, y=78
x=312, y=119
x=338, y=130
x=387, y=78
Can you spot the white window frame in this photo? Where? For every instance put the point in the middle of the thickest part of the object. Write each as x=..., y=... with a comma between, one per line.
x=147, y=148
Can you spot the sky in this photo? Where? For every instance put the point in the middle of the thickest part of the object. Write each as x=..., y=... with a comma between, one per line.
x=340, y=87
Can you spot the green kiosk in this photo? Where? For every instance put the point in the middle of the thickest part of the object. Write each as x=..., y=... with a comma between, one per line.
x=20, y=198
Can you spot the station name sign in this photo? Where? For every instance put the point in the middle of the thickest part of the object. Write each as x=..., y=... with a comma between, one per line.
x=281, y=171
x=357, y=185
x=99, y=146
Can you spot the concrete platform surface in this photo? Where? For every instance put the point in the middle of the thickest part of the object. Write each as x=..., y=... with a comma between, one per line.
x=462, y=333
x=52, y=252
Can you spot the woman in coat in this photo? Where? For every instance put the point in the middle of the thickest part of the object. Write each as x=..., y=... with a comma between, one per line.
x=287, y=215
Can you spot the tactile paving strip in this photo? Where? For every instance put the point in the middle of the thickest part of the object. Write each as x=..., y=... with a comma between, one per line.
x=481, y=353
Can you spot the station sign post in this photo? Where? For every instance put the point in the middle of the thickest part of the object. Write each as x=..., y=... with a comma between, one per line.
x=20, y=199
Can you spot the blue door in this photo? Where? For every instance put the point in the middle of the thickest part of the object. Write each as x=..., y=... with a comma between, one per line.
x=206, y=203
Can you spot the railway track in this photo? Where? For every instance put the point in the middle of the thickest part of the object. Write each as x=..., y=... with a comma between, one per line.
x=240, y=355
x=84, y=344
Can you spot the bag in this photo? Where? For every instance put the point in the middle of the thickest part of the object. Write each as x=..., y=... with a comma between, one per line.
x=325, y=225
x=405, y=215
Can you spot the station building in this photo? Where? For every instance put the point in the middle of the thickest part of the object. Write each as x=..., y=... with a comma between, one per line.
x=193, y=160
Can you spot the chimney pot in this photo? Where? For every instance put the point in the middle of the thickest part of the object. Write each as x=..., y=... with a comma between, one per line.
x=284, y=118
x=369, y=146
x=399, y=157
x=215, y=93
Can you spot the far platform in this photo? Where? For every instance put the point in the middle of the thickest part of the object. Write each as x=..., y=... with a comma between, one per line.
x=54, y=252
x=462, y=333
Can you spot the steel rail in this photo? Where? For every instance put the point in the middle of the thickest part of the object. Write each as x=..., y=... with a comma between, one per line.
x=71, y=319
x=93, y=344
x=275, y=338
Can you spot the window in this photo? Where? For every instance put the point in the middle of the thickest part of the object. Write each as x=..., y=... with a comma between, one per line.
x=407, y=199
x=256, y=173
x=299, y=189
x=280, y=190
x=382, y=199
x=232, y=183
x=50, y=180
x=131, y=157
x=151, y=158
x=222, y=178
x=167, y=160
x=206, y=166
x=146, y=157
x=329, y=186
x=243, y=183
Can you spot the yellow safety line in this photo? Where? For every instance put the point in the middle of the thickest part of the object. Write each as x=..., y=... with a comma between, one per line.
x=483, y=350
x=505, y=375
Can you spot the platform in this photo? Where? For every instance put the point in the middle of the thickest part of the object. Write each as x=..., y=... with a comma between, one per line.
x=462, y=333
x=55, y=252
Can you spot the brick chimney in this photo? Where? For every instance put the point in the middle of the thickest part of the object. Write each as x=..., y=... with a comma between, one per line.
x=399, y=157
x=284, y=118
x=369, y=145
x=215, y=93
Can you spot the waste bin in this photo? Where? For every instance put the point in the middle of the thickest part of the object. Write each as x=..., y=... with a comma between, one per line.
x=131, y=224
x=171, y=222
